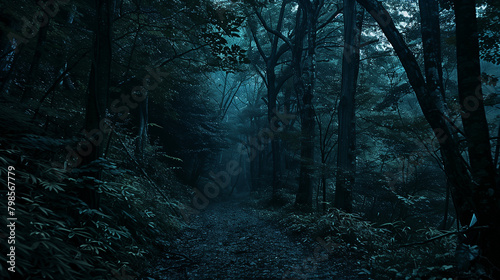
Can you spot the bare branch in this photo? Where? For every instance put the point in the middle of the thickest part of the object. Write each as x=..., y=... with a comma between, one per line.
x=331, y=18
x=272, y=31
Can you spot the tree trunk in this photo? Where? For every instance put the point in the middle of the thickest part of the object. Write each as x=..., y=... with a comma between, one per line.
x=305, y=80
x=485, y=192
x=273, y=87
x=272, y=95
x=497, y=149
x=98, y=91
x=323, y=183
x=346, y=158
x=431, y=40
x=304, y=192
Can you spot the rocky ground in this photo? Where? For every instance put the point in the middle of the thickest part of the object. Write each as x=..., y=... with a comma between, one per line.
x=229, y=240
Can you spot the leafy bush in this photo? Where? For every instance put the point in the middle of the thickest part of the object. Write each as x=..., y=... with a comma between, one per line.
x=379, y=248
x=58, y=236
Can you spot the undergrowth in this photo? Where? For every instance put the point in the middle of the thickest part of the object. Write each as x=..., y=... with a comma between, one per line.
x=374, y=250
x=57, y=236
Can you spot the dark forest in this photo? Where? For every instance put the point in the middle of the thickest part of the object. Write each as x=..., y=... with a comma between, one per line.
x=249, y=139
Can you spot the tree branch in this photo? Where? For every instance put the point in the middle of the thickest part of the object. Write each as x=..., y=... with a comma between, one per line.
x=331, y=18
x=272, y=31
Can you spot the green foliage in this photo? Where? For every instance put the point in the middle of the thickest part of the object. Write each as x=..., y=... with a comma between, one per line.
x=378, y=247
x=60, y=237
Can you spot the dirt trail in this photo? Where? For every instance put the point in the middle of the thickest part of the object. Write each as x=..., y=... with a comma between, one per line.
x=229, y=241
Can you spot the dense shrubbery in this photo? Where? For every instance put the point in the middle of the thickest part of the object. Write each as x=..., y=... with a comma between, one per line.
x=60, y=237
x=379, y=248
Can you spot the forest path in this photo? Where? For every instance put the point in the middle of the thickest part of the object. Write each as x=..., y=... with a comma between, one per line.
x=228, y=240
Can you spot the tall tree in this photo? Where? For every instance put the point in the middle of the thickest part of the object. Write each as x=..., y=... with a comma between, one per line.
x=273, y=81
x=474, y=189
x=431, y=41
x=485, y=191
x=346, y=158
x=304, y=61
x=98, y=90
